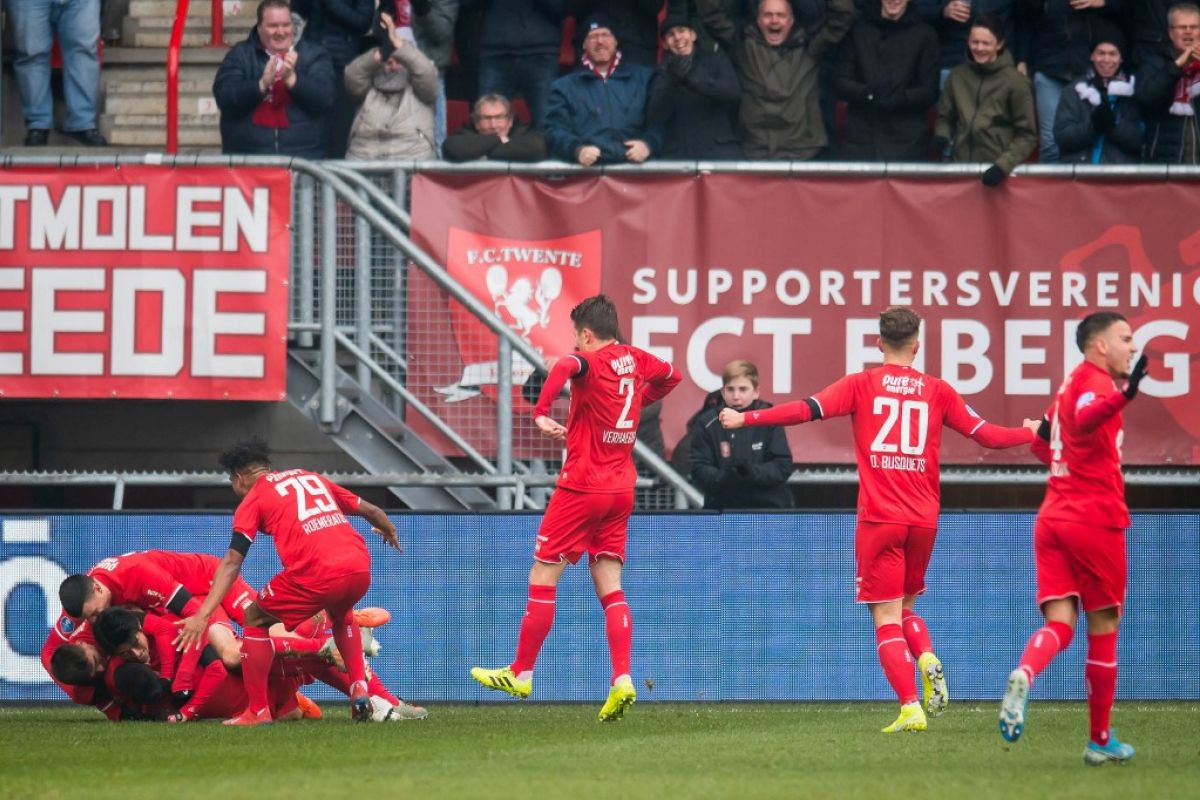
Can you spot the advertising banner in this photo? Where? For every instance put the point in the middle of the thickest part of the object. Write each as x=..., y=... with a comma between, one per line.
x=791, y=273
x=144, y=282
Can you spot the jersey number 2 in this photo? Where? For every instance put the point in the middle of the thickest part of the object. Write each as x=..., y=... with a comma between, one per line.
x=312, y=497
x=625, y=388
x=913, y=414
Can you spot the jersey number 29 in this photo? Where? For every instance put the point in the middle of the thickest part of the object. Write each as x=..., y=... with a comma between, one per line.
x=312, y=497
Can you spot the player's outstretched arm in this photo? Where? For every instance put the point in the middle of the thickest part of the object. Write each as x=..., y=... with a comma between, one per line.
x=193, y=630
x=792, y=413
x=380, y=523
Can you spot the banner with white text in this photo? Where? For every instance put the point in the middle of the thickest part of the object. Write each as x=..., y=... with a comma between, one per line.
x=792, y=274
x=144, y=282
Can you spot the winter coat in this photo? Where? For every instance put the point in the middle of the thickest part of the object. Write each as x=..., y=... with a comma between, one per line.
x=1078, y=140
x=584, y=109
x=396, y=118
x=986, y=113
x=433, y=26
x=744, y=468
x=698, y=111
x=887, y=72
x=467, y=144
x=520, y=27
x=636, y=23
x=1170, y=138
x=340, y=26
x=1062, y=37
x=780, y=112
x=952, y=35
x=1149, y=27
x=235, y=89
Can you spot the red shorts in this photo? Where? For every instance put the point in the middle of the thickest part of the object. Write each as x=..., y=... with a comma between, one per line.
x=293, y=599
x=1079, y=560
x=582, y=522
x=891, y=560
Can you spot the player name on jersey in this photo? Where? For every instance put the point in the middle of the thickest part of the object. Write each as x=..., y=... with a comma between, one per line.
x=901, y=463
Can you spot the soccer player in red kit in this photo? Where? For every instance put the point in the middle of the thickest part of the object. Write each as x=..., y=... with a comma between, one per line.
x=325, y=561
x=589, y=510
x=1079, y=536
x=897, y=415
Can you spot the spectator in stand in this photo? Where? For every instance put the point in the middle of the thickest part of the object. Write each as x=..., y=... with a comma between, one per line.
x=433, y=24
x=338, y=26
x=1168, y=89
x=597, y=114
x=76, y=25
x=635, y=24
x=986, y=111
x=1062, y=32
x=746, y=468
x=951, y=19
x=519, y=50
x=807, y=12
x=887, y=72
x=780, y=113
x=493, y=135
x=398, y=92
x=1098, y=121
x=694, y=97
x=274, y=92
x=1149, y=28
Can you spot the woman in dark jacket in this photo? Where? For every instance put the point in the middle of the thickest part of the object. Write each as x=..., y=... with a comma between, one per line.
x=887, y=71
x=1098, y=121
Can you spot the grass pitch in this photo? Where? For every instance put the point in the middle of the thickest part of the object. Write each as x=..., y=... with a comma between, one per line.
x=660, y=751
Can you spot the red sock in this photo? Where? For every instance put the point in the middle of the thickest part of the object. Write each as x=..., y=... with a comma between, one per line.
x=1046, y=642
x=535, y=626
x=1100, y=674
x=257, y=654
x=897, y=662
x=290, y=645
x=916, y=633
x=330, y=676
x=376, y=687
x=303, y=666
x=618, y=626
x=349, y=644
x=312, y=626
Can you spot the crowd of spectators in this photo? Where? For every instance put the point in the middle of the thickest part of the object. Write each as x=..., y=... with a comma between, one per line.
x=994, y=81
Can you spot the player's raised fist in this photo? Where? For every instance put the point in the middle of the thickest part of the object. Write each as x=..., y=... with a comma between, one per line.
x=731, y=419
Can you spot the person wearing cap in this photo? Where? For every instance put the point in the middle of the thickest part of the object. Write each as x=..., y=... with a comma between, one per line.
x=694, y=97
x=635, y=23
x=1169, y=91
x=779, y=63
x=1062, y=33
x=597, y=114
x=1098, y=121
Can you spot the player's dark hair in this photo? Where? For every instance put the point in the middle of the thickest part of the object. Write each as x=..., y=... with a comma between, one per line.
x=114, y=627
x=1093, y=325
x=73, y=592
x=138, y=682
x=70, y=665
x=247, y=453
x=898, y=326
x=599, y=315
x=265, y=4
x=991, y=23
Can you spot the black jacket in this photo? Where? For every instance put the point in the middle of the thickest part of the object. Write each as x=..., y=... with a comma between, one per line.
x=1149, y=27
x=952, y=36
x=468, y=144
x=1062, y=37
x=887, y=72
x=1078, y=140
x=1170, y=138
x=340, y=26
x=235, y=89
x=749, y=471
x=698, y=109
x=520, y=27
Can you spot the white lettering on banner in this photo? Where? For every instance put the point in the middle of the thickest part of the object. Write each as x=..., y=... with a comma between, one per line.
x=116, y=218
x=832, y=282
x=1178, y=364
x=899, y=287
x=45, y=575
x=114, y=316
x=973, y=355
x=526, y=255
x=1017, y=355
x=642, y=328
x=754, y=281
x=719, y=281
x=697, y=350
x=781, y=330
x=933, y=288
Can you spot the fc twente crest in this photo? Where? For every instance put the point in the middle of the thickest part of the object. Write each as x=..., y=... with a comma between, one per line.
x=532, y=287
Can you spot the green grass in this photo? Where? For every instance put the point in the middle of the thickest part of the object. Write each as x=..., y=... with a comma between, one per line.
x=660, y=751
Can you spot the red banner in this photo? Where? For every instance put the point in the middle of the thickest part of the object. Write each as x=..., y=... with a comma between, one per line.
x=144, y=282
x=792, y=273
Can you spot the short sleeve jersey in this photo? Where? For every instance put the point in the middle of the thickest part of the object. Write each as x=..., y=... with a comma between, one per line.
x=137, y=579
x=606, y=404
x=306, y=515
x=1085, y=483
x=897, y=414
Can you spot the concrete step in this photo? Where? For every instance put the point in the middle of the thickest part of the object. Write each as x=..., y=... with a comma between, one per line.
x=150, y=131
x=157, y=56
x=156, y=31
x=127, y=86
x=195, y=103
x=196, y=8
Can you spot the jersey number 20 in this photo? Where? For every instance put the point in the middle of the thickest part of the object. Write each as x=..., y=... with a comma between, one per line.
x=312, y=497
x=914, y=425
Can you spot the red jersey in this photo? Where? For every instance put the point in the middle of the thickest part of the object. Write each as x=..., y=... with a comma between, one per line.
x=897, y=414
x=1084, y=453
x=306, y=515
x=608, y=389
x=140, y=579
x=68, y=631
